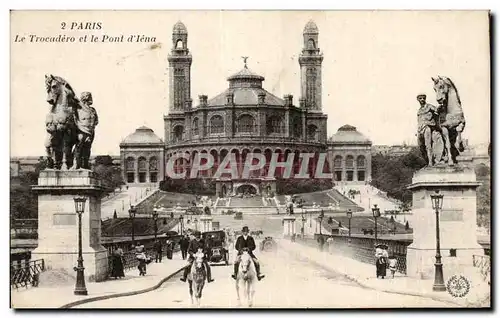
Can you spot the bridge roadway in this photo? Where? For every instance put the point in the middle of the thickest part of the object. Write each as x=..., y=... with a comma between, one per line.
x=290, y=283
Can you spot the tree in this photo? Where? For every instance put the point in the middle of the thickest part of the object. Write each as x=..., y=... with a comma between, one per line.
x=407, y=226
x=115, y=216
x=111, y=175
x=392, y=218
x=393, y=174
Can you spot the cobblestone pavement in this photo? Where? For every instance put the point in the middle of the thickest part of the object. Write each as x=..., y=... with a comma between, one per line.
x=291, y=282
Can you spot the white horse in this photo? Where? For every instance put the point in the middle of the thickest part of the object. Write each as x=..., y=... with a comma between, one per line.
x=196, y=278
x=247, y=277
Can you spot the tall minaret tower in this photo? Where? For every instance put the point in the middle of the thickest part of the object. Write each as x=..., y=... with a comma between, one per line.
x=310, y=68
x=179, y=61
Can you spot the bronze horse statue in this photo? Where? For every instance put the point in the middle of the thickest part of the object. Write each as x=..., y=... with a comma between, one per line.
x=70, y=125
x=60, y=123
x=451, y=117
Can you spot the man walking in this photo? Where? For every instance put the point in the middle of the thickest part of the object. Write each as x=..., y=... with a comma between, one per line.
x=158, y=251
x=184, y=244
x=246, y=241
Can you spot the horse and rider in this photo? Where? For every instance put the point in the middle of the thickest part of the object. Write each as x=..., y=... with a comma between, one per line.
x=196, y=245
x=247, y=243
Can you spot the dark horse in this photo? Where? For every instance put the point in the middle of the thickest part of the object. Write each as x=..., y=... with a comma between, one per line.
x=60, y=123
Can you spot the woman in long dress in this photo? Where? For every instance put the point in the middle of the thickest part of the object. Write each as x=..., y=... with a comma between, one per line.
x=117, y=270
x=381, y=262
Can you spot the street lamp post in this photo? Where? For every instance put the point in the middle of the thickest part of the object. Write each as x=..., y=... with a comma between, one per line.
x=80, y=288
x=303, y=224
x=196, y=224
x=320, y=218
x=349, y=217
x=437, y=205
x=132, y=212
x=181, y=221
x=155, y=219
x=376, y=214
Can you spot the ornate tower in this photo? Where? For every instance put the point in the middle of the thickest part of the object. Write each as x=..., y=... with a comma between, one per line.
x=310, y=68
x=179, y=61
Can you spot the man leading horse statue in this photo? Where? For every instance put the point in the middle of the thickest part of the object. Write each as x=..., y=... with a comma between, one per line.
x=70, y=125
x=440, y=128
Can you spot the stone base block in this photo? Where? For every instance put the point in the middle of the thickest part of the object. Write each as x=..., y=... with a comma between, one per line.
x=95, y=261
x=420, y=261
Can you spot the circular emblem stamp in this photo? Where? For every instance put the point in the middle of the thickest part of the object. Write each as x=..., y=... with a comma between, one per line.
x=458, y=286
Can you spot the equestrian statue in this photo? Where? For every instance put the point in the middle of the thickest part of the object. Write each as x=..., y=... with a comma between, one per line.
x=440, y=127
x=70, y=125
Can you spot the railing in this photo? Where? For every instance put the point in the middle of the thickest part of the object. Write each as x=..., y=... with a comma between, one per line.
x=27, y=273
x=483, y=262
x=129, y=260
x=363, y=249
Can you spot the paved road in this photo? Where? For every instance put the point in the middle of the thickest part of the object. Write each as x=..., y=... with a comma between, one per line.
x=289, y=283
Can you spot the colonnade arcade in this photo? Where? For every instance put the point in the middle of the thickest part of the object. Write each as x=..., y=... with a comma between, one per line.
x=350, y=168
x=240, y=154
x=141, y=169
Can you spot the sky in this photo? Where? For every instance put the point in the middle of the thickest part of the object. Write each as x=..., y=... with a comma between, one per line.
x=375, y=63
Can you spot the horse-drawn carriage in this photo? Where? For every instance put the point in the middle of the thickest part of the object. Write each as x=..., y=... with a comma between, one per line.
x=268, y=244
x=217, y=251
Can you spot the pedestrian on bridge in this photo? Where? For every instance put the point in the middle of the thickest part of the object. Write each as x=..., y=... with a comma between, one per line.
x=158, y=251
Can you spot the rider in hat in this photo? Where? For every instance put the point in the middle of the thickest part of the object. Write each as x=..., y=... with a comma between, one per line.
x=246, y=241
x=196, y=245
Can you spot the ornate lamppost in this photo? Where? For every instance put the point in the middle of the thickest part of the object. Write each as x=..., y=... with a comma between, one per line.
x=349, y=217
x=181, y=221
x=80, y=288
x=437, y=205
x=155, y=219
x=132, y=212
x=376, y=214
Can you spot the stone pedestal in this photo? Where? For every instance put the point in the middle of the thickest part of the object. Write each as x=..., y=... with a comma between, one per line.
x=288, y=225
x=457, y=221
x=206, y=223
x=58, y=222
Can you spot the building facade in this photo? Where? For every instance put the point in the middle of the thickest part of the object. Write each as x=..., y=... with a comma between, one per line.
x=243, y=119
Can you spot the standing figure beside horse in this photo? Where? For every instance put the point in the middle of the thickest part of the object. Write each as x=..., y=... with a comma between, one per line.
x=440, y=128
x=70, y=125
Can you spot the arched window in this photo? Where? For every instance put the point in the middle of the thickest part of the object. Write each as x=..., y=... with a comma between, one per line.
x=142, y=169
x=153, y=169
x=216, y=124
x=153, y=164
x=275, y=125
x=337, y=162
x=142, y=164
x=349, y=162
x=178, y=133
x=311, y=75
x=310, y=44
x=312, y=132
x=179, y=44
x=360, y=161
x=130, y=164
x=297, y=127
x=195, y=127
x=130, y=169
x=246, y=124
x=179, y=88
